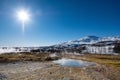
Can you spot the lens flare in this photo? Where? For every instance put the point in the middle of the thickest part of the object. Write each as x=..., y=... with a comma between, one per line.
x=23, y=16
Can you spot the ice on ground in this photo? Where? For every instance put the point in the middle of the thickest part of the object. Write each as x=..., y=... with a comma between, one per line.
x=73, y=63
x=7, y=50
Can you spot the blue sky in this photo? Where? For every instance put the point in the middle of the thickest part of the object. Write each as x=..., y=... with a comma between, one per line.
x=56, y=21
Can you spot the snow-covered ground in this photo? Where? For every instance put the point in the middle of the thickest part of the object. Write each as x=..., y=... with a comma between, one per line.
x=13, y=49
x=100, y=49
x=7, y=50
x=105, y=45
x=88, y=40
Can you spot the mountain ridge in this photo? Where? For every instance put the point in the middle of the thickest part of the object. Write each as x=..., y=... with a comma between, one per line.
x=89, y=40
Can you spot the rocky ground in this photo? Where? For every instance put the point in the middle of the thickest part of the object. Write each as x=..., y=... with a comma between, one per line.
x=30, y=70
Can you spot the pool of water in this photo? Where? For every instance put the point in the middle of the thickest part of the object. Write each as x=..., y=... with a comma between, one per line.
x=73, y=63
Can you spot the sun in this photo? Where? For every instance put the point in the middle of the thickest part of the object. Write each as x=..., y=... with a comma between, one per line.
x=23, y=15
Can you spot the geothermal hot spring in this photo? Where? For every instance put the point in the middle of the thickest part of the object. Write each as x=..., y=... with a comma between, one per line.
x=73, y=63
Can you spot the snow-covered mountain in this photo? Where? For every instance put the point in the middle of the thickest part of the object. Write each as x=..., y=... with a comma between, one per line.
x=89, y=40
x=91, y=44
x=110, y=38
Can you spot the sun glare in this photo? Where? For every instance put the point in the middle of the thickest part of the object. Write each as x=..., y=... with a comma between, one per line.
x=23, y=16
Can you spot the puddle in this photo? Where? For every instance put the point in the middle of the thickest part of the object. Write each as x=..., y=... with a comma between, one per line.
x=73, y=63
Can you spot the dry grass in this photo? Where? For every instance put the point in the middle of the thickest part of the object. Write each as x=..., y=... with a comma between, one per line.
x=108, y=67
x=11, y=57
x=111, y=63
x=110, y=60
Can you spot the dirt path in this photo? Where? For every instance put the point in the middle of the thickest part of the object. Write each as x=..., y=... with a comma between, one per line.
x=47, y=71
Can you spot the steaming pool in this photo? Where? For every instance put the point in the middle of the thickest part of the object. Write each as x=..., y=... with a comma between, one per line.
x=73, y=63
